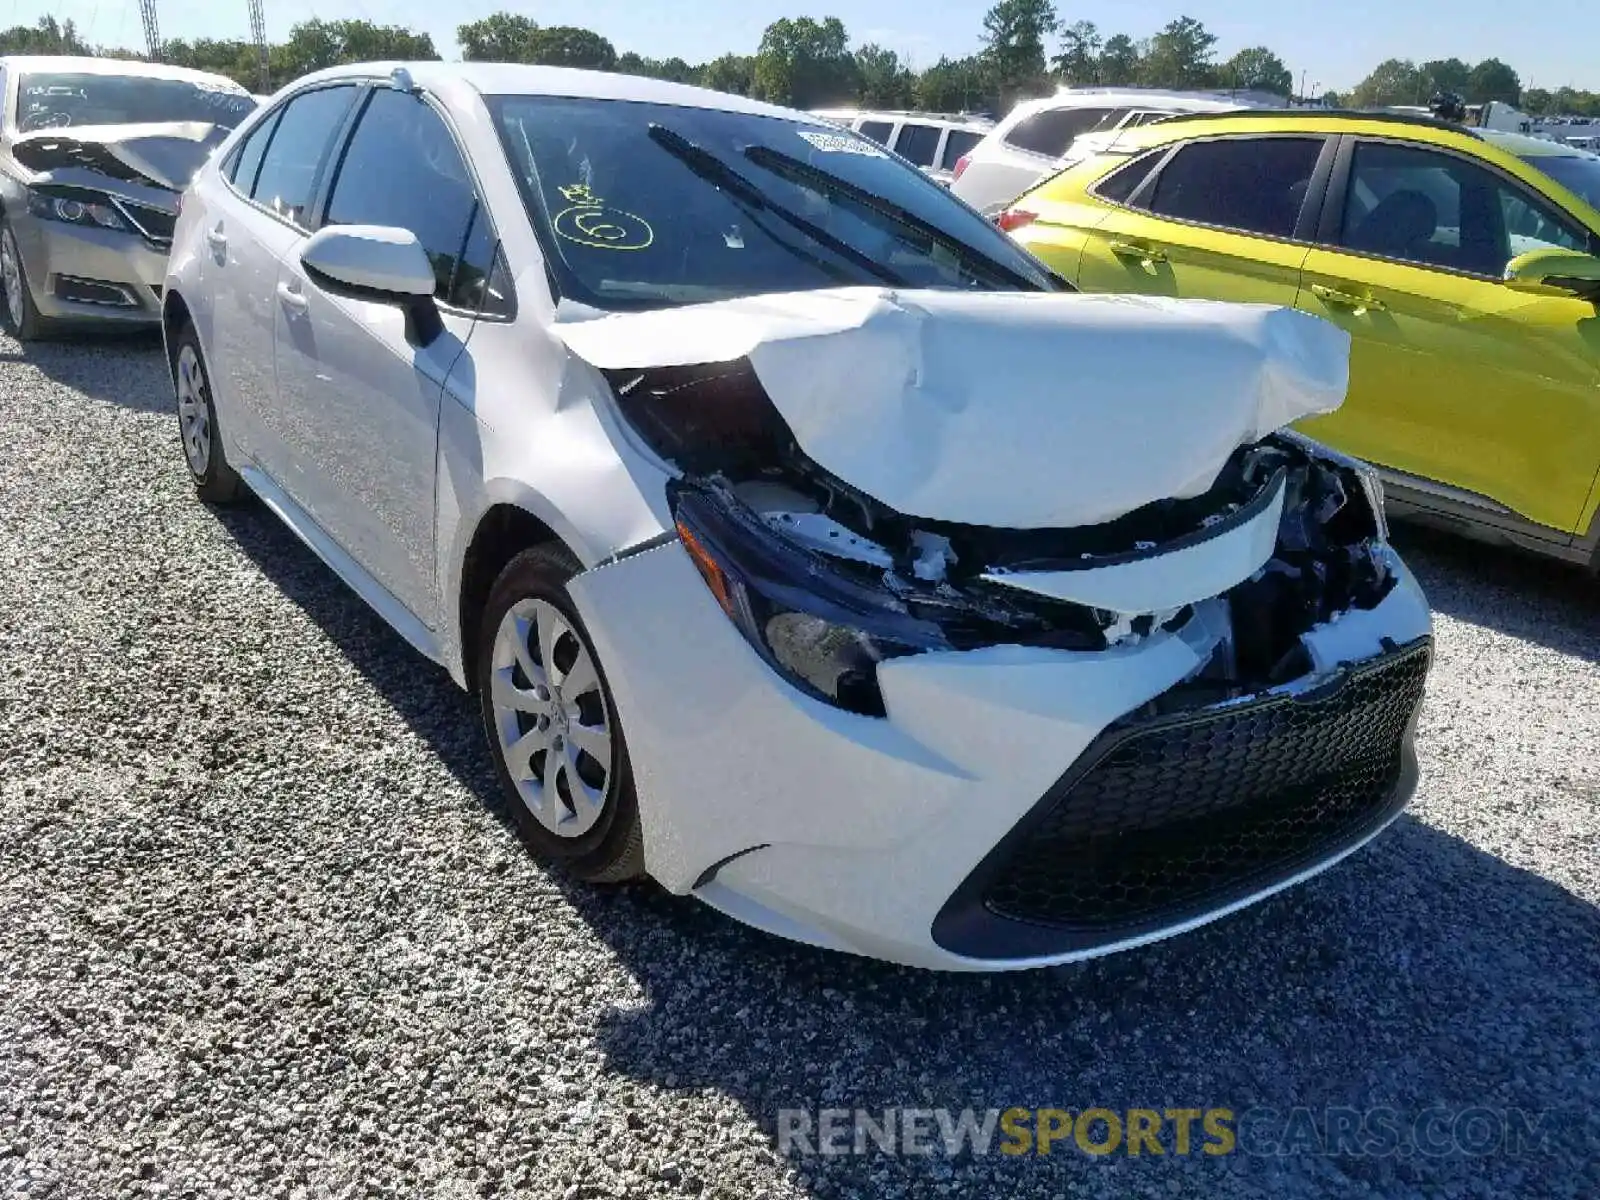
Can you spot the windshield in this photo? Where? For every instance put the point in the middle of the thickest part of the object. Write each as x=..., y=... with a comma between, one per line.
x=58, y=100
x=1576, y=174
x=645, y=205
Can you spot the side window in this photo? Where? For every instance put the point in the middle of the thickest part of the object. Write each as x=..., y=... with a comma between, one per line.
x=403, y=169
x=1050, y=132
x=1254, y=185
x=919, y=143
x=959, y=143
x=1119, y=186
x=1419, y=205
x=1531, y=224
x=246, y=164
x=288, y=170
x=878, y=131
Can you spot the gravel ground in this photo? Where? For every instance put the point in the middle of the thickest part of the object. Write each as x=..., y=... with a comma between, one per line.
x=264, y=930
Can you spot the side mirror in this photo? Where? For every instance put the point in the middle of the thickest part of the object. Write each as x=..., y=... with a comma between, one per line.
x=1555, y=272
x=373, y=258
x=377, y=262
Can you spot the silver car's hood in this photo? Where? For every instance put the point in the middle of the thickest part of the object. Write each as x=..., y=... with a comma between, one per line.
x=1013, y=410
x=165, y=155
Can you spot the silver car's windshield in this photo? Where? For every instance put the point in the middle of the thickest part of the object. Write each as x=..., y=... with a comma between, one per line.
x=59, y=100
x=1575, y=173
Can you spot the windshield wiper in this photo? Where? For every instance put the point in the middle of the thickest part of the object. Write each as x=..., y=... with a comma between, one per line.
x=714, y=171
x=786, y=164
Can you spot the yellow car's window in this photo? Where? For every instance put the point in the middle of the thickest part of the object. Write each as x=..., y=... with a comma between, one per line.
x=1422, y=206
x=1255, y=185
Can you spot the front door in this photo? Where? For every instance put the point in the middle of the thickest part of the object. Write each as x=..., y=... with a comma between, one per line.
x=1489, y=395
x=361, y=388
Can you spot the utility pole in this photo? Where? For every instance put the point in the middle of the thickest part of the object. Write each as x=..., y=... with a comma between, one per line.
x=258, y=31
x=152, y=32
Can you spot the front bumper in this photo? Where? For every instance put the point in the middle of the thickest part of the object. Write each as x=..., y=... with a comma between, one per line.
x=856, y=833
x=77, y=273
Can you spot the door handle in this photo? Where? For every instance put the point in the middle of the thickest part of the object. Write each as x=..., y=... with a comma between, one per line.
x=292, y=297
x=1339, y=299
x=218, y=239
x=1145, y=254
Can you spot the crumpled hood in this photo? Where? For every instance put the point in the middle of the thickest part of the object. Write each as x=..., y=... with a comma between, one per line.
x=1014, y=410
x=166, y=155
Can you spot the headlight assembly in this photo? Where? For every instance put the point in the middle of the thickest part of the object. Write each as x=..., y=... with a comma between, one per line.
x=76, y=208
x=818, y=626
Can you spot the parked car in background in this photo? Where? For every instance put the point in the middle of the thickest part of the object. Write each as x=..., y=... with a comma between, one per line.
x=1032, y=140
x=934, y=142
x=734, y=465
x=1464, y=263
x=94, y=153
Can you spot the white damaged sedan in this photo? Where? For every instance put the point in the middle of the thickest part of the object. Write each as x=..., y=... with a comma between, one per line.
x=811, y=552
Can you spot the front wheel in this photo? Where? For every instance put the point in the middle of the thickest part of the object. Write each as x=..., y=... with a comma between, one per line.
x=23, y=321
x=552, y=724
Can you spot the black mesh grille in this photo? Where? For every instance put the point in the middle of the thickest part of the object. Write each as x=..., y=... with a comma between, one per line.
x=1176, y=814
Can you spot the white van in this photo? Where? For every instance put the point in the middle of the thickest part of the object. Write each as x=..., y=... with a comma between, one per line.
x=933, y=141
x=1033, y=139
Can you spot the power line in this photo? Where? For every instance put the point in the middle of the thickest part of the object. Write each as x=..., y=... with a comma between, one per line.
x=258, y=31
x=152, y=31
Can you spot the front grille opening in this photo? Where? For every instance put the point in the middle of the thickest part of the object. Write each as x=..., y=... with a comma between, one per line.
x=94, y=291
x=1182, y=814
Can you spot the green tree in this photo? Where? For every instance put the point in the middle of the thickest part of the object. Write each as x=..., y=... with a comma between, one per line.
x=1180, y=56
x=1013, y=36
x=1494, y=80
x=1393, y=81
x=886, y=82
x=1079, y=60
x=316, y=43
x=955, y=85
x=1256, y=69
x=570, y=46
x=1443, y=75
x=499, y=37
x=730, y=73
x=238, y=60
x=1538, y=101
x=45, y=36
x=805, y=63
x=1119, y=61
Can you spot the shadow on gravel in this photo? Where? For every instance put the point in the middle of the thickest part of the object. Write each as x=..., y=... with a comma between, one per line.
x=1537, y=600
x=123, y=368
x=1420, y=976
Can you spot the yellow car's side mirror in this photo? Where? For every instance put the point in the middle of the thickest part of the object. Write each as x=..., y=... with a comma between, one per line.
x=1555, y=271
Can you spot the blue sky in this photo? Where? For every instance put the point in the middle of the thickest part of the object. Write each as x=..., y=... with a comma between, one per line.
x=1552, y=43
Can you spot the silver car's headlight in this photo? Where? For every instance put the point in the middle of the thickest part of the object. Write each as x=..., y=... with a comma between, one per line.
x=76, y=207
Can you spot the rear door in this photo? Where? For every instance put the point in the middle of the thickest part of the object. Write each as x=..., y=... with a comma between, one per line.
x=1483, y=396
x=362, y=393
x=1226, y=218
x=258, y=217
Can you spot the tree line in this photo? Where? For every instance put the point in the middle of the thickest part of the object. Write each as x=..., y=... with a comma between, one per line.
x=1028, y=50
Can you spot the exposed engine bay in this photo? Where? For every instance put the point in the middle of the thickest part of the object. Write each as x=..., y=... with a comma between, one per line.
x=827, y=581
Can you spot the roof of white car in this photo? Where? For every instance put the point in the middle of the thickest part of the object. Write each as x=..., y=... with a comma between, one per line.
x=77, y=65
x=519, y=79
x=1531, y=147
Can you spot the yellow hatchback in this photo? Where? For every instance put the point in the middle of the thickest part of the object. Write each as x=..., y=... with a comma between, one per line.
x=1464, y=263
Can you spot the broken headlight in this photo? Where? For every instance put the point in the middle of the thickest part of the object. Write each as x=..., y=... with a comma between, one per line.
x=820, y=626
x=76, y=207
x=1366, y=473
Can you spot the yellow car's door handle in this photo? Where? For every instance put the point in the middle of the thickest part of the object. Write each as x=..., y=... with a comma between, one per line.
x=1145, y=254
x=1339, y=299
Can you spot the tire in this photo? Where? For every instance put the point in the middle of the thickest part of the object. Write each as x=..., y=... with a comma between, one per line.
x=581, y=812
x=198, y=433
x=22, y=318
